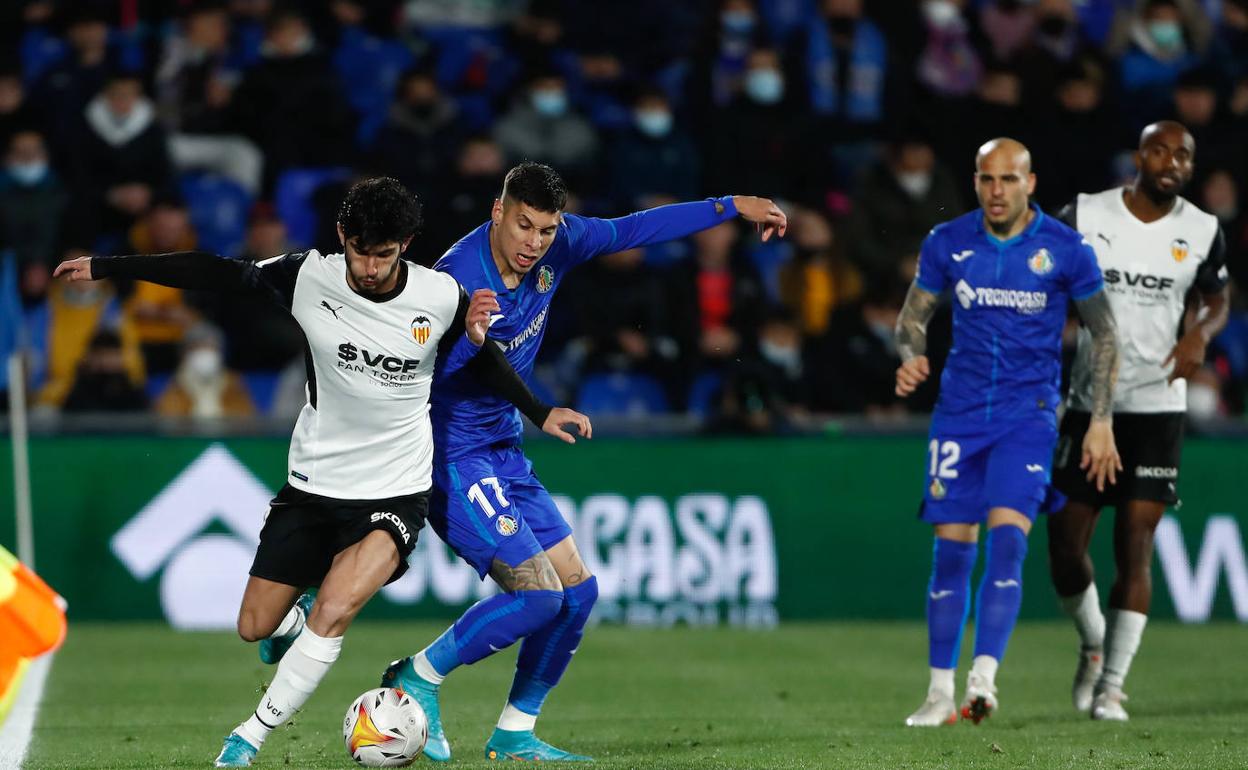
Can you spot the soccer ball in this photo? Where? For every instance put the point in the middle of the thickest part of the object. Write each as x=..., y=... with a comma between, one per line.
x=385, y=728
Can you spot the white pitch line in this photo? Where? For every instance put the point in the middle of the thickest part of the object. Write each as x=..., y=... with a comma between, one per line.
x=16, y=731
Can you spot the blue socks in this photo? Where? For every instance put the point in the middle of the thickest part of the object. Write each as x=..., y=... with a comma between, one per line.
x=545, y=655
x=1001, y=590
x=491, y=625
x=948, y=600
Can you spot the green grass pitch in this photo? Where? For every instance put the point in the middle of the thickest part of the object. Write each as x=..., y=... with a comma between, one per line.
x=803, y=696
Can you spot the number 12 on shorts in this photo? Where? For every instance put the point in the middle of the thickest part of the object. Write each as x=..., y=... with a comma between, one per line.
x=944, y=455
x=478, y=496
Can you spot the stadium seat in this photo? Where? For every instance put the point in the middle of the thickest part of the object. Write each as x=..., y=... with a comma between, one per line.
x=156, y=384
x=263, y=389
x=293, y=199
x=621, y=394
x=219, y=209
x=372, y=66
x=38, y=50
x=704, y=392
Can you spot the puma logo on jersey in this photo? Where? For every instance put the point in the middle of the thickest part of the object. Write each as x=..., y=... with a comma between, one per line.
x=1104, y=237
x=961, y=256
x=331, y=309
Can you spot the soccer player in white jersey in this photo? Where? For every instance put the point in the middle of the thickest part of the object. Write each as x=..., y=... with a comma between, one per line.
x=360, y=457
x=1164, y=265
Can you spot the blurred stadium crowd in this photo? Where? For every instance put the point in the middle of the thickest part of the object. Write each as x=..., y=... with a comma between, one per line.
x=235, y=127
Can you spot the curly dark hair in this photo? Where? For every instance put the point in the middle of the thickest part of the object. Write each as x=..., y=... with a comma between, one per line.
x=377, y=211
x=536, y=185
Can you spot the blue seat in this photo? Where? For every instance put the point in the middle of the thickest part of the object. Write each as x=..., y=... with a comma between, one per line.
x=263, y=389
x=219, y=209
x=618, y=394
x=371, y=67
x=293, y=199
x=156, y=385
x=704, y=393
x=39, y=50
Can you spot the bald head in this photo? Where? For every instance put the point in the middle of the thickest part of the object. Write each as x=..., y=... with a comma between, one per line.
x=1004, y=184
x=1165, y=160
x=1004, y=149
x=1164, y=130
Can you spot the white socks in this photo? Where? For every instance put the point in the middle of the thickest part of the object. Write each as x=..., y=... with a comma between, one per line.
x=300, y=671
x=986, y=667
x=1085, y=609
x=291, y=624
x=425, y=669
x=513, y=718
x=942, y=682
x=1121, y=642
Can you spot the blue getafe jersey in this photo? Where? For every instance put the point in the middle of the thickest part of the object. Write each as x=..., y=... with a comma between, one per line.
x=466, y=416
x=1009, y=307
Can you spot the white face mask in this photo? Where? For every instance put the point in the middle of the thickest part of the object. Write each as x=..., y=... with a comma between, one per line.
x=787, y=358
x=941, y=13
x=915, y=183
x=1202, y=400
x=203, y=363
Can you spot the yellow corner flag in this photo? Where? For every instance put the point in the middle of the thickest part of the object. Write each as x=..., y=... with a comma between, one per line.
x=32, y=622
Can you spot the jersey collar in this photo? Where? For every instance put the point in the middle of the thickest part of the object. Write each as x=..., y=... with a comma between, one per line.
x=399, y=286
x=1031, y=229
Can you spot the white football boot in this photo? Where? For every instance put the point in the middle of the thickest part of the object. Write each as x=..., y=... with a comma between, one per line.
x=938, y=709
x=980, y=699
x=1091, y=663
x=1107, y=705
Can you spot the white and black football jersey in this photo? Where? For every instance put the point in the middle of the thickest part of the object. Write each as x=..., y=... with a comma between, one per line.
x=1149, y=268
x=364, y=432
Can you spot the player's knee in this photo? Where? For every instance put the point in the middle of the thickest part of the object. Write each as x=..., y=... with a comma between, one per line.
x=541, y=607
x=253, y=628
x=582, y=596
x=1009, y=543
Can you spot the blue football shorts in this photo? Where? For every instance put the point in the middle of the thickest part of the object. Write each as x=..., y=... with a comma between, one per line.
x=489, y=505
x=973, y=469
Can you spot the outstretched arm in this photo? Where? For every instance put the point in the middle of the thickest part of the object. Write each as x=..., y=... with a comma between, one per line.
x=199, y=270
x=1100, y=455
x=911, y=338
x=677, y=220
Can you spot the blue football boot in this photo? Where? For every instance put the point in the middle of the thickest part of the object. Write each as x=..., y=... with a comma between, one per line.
x=273, y=648
x=524, y=746
x=236, y=752
x=402, y=675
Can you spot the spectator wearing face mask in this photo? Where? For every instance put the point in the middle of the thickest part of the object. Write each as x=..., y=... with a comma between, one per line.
x=32, y=201
x=291, y=102
x=1230, y=45
x=160, y=314
x=542, y=126
x=845, y=65
x=1158, y=41
x=949, y=65
x=818, y=278
x=1057, y=42
x=1080, y=136
x=1198, y=107
x=103, y=383
x=758, y=142
x=730, y=32
x=202, y=388
x=654, y=161
x=421, y=135
x=898, y=202
x=1008, y=26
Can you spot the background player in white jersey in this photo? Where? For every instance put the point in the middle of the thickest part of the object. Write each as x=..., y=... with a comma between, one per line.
x=360, y=457
x=1165, y=274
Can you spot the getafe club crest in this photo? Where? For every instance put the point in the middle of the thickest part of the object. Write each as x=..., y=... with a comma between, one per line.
x=545, y=278
x=420, y=329
x=937, y=489
x=1041, y=263
x=1179, y=249
x=506, y=525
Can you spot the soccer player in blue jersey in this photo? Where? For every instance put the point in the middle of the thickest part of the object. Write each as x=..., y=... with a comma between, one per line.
x=1011, y=271
x=488, y=505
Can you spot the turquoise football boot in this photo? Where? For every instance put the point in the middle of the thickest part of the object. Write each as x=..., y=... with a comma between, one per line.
x=273, y=648
x=236, y=752
x=402, y=675
x=524, y=746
